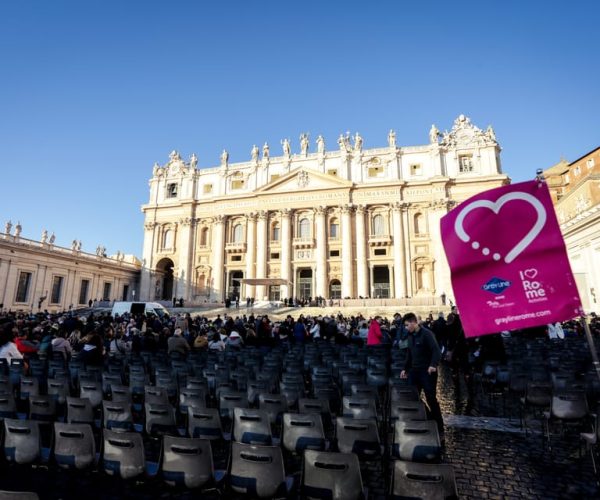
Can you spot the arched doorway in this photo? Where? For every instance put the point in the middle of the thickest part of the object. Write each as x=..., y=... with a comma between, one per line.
x=335, y=289
x=234, y=285
x=163, y=287
x=305, y=277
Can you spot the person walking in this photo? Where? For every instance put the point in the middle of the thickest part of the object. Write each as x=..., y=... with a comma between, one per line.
x=421, y=365
x=375, y=337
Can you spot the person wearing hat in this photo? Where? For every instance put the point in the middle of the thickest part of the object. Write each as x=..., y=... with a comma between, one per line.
x=234, y=340
x=177, y=343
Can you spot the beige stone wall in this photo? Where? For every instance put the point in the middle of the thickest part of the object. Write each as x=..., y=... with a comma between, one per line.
x=45, y=262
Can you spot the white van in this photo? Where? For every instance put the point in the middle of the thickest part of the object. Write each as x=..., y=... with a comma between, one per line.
x=155, y=308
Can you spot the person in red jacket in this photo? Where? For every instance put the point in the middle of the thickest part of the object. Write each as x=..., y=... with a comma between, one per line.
x=24, y=345
x=374, y=337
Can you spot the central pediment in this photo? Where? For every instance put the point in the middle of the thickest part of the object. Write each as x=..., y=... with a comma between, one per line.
x=304, y=180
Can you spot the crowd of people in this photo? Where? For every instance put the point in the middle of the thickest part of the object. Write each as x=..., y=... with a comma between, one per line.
x=96, y=337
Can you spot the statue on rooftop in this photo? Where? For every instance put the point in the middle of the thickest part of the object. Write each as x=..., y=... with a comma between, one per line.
x=433, y=134
x=286, y=147
x=304, y=143
x=320, y=144
x=392, y=139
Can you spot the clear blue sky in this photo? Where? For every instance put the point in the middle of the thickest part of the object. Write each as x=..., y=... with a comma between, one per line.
x=92, y=93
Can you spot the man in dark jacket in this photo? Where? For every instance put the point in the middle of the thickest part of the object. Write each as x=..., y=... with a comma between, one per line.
x=421, y=364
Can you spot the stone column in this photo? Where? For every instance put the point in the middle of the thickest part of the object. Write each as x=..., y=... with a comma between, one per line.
x=399, y=254
x=146, y=291
x=250, y=252
x=441, y=270
x=347, y=262
x=261, y=252
x=321, y=254
x=286, y=256
x=407, y=264
x=362, y=275
x=184, y=278
x=218, y=249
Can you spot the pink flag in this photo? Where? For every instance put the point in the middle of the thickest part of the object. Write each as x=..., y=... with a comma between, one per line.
x=508, y=260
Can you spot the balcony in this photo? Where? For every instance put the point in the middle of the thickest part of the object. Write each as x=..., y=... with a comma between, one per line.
x=303, y=242
x=232, y=247
x=380, y=240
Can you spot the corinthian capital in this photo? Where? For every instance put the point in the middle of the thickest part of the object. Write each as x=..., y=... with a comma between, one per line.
x=263, y=215
x=150, y=225
x=219, y=219
x=346, y=209
x=286, y=212
x=251, y=217
x=321, y=210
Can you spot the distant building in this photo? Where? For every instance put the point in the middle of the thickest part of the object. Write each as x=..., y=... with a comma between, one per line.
x=38, y=275
x=575, y=189
x=339, y=222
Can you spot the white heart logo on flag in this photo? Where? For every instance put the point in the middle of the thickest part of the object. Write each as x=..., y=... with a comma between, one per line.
x=495, y=207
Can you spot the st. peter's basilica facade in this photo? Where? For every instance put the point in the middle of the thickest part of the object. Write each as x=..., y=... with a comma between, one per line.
x=345, y=222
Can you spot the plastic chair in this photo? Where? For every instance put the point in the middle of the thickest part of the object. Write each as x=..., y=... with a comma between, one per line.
x=408, y=410
x=257, y=471
x=74, y=446
x=79, y=411
x=160, y=418
x=274, y=405
x=186, y=462
x=191, y=397
x=58, y=389
x=230, y=400
x=123, y=454
x=417, y=441
x=358, y=436
x=92, y=390
x=358, y=407
x=422, y=481
x=331, y=476
x=42, y=408
x=8, y=405
x=302, y=432
x=251, y=426
x=204, y=423
x=22, y=441
x=117, y=415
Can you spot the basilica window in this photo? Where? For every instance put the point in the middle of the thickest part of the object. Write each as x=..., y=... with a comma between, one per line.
x=167, y=240
x=465, y=163
x=334, y=229
x=333, y=172
x=415, y=169
x=204, y=237
x=419, y=224
x=237, y=233
x=377, y=225
x=304, y=228
x=275, y=232
x=172, y=190
x=376, y=171
x=577, y=171
x=237, y=184
x=207, y=188
x=590, y=163
x=23, y=287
